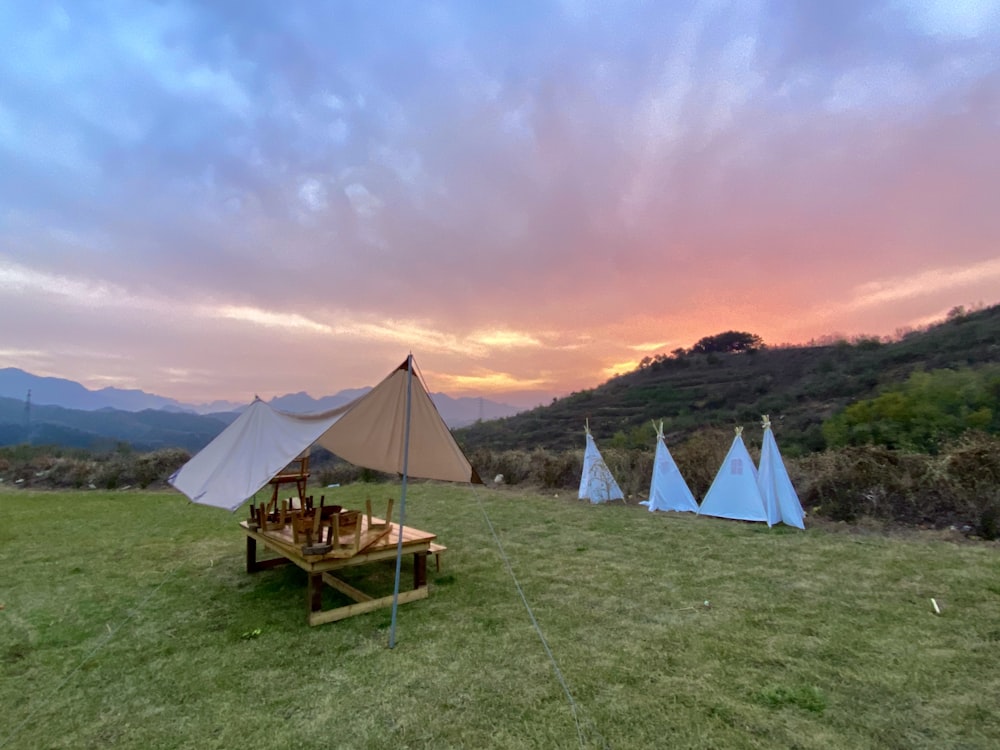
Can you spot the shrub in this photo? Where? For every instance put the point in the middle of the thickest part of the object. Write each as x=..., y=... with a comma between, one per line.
x=555, y=470
x=70, y=472
x=157, y=466
x=337, y=471
x=926, y=410
x=958, y=487
x=630, y=468
x=699, y=457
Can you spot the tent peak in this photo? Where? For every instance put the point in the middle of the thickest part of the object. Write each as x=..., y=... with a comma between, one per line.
x=765, y=421
x=739, y=430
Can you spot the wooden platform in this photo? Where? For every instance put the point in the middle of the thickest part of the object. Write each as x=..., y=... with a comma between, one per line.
x=320, y=567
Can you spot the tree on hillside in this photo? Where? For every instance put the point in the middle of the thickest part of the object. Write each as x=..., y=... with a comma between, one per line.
x=730, y=342
x=923, y=412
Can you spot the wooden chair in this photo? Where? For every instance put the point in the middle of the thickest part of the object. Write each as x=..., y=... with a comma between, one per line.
x=297, y=473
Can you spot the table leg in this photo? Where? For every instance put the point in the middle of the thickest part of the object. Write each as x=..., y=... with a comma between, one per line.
x=251, y=555
x=419, y=569
x=315, y=592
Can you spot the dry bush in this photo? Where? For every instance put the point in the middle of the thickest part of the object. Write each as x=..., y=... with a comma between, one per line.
x=958, y=487
x=47, y=467
x=972, y=466
x=157, y=466
x=974, y=460
x=555, y=470
x=515, y=466
x=699, y=457
x=28, y=465
x=71, y=472
x=631, y=468
x=342, y=472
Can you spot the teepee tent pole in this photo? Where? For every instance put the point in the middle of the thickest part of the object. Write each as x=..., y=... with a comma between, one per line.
x=402, y=502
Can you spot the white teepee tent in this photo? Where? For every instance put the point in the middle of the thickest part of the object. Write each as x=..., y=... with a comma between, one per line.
x=667, y=489
x=596, y=483
x=776, y=488
x=734, y=492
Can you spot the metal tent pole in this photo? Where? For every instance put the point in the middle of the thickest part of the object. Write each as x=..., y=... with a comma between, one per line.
x=402, y=503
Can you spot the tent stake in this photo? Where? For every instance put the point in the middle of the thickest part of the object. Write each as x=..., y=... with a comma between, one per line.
x=402, y=502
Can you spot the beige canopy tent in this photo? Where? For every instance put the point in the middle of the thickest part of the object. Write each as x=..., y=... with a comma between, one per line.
x=395, y=427
x=371, y=431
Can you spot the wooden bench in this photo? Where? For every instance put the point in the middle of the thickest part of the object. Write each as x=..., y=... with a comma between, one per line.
x=436, y=550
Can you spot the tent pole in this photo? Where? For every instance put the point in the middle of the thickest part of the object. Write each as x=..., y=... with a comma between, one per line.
x=402, y=502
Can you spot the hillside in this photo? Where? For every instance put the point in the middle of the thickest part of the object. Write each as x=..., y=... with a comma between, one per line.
x=152, y=429
x=103, y=429
x=798, y=386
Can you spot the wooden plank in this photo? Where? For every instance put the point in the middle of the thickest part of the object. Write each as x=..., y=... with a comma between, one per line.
x=436, y=550
x=315, y=592
x=251, y=555
x=420, y=570
x=345, y=588
x=340, y=613
x=274, y=562
x=317, y=525
x=281, y=541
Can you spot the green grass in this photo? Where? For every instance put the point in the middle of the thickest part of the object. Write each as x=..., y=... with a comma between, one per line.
x=128, y=620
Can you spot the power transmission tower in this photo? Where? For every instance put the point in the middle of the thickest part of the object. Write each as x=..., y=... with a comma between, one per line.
x=27, y=418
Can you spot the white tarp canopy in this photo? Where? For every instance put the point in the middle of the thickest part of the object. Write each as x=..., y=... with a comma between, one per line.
x=596, y=482
x=734, y=492
x=780, y=499
x=368, y=432
x=667, y=488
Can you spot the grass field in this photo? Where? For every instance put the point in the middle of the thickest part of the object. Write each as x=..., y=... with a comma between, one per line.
x=127, y=620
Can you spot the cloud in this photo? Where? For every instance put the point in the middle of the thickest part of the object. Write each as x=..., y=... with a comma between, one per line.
x=269, y=319
x=506, y=339
x=27, y=282
x=619, y=368
x=928, y=282
x=656, y=346
x=489, y=382
x=541, y=190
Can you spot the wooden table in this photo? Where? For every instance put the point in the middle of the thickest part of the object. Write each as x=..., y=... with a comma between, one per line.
x=320, y=567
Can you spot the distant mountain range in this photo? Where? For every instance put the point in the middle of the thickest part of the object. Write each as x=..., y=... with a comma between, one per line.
x=64, y=412
x=69, y=394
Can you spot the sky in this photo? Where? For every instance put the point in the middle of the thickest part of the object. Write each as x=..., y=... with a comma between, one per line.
x=216, y=200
